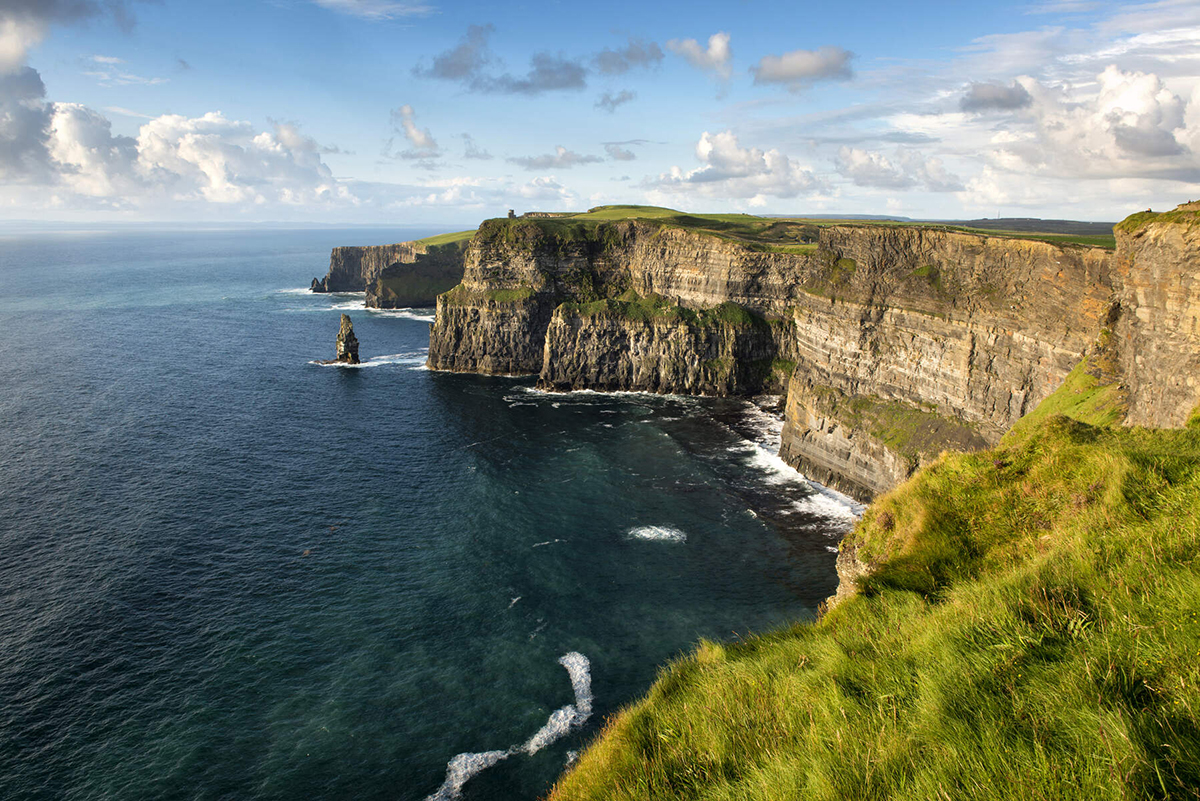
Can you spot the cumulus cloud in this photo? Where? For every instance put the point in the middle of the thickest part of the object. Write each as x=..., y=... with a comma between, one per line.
x=906, y=170
x=423, y=145
x=800, y=68
x=1132, y=126
x=560, y=159
x=24, y=23
x=24, y=126
x=66, y=154
x=466, y=63
x=981, y=97
x=716, y=58
x=638, y=53
x=609, y=102
x=731, y=171
x=548, y=192
x=376, y=10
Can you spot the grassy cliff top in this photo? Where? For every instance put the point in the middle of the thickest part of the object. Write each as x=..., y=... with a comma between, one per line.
x=1030, y=630
x=446, y=239
x=775, y=234
x=1187, y=214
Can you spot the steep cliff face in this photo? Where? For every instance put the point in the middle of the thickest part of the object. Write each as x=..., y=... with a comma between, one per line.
x=970, y=330
x=1157, y=282
x=351, y=269
x=904, y=340
x=432, y=271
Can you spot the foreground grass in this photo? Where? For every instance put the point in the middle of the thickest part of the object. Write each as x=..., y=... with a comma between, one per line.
x=1031, y=630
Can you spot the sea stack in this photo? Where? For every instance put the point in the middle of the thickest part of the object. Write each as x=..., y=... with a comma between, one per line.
x=347, y=343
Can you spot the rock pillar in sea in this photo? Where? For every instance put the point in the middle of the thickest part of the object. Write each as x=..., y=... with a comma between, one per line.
x=347, y=343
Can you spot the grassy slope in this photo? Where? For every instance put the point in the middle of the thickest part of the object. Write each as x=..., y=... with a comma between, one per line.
x=446, y=239
x=787, y=235
x=1033, y=631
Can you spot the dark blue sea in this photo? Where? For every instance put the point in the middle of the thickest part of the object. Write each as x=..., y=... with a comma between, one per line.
x=227, y=572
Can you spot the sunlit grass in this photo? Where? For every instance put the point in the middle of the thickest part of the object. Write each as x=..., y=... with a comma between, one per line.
x=1031, y=630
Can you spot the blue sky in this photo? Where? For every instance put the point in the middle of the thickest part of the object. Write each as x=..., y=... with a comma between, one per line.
x=374, y=111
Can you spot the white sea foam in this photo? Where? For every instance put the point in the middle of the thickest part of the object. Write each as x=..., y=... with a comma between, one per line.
x=303, y=290
x=463, y=766
x=571, y=716
x=410, y=358
x=657, y=534
x=547, y=542
x=420, y=315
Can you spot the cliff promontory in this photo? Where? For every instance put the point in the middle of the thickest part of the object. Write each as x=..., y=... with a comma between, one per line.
x=892, y=342
x=404, y=275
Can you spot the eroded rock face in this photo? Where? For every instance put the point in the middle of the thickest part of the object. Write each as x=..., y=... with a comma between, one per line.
x=352, y=269
x=975, y=330
x=347, y=343
x=1157, y=280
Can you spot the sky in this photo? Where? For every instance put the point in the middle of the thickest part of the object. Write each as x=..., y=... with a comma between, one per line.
x=435, y=112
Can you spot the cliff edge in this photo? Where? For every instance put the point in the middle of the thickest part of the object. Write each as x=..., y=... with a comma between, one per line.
x=892, y=342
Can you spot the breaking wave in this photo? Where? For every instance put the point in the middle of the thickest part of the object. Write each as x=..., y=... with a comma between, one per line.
x=657, y=534
x=561, y=721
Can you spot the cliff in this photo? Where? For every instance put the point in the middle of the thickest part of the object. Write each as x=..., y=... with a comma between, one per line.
x=1157, y=327
x=892, y=342
x=404, y=275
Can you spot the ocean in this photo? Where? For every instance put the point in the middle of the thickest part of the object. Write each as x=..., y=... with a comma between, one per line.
x=231, y=573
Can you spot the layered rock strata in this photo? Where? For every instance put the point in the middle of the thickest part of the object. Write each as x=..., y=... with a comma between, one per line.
x=1157, y=325
x=347, y=342
x=404, y=275
x=904, y=340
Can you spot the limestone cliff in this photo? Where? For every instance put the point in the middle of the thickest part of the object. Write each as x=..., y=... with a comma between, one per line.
x=351, y=269
x=347, y=342
x=408, y=274
x=1157, y=282
x=900, y=341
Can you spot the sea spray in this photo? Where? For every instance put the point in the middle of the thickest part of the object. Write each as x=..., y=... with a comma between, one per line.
x=657, y=534
x=562, y=720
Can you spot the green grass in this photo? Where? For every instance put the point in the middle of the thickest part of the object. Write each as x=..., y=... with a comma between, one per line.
x=461, y=296
x=446, y=239
x=1031, y=631
x=1135, y=222
x=916, y=434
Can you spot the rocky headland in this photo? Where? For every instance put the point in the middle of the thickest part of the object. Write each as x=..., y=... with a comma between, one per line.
x=891, y=342
x=404, y=275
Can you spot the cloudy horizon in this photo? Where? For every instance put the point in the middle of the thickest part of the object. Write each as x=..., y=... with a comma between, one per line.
x=379, y=112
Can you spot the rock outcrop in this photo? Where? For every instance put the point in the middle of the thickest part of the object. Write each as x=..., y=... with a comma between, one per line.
x=404, y=275
x=1157, y=283
x=893, y=342
x=347, y=343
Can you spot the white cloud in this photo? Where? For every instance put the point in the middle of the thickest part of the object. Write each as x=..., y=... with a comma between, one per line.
x=376, y=10
x=560, y=159
x=869, y=168
x=717, y=57
x=424, y=146
x=800, y=68
x=548, y=192
x=17, y=35
x=731, y=171
x=108, y=60
x=907, y=169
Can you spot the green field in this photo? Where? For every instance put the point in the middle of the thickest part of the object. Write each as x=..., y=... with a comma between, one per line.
x=446, y=239
x=1031, y=631
x=798, y=235
x=768, y=234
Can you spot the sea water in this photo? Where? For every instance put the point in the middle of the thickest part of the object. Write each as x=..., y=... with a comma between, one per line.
x=227, y=572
